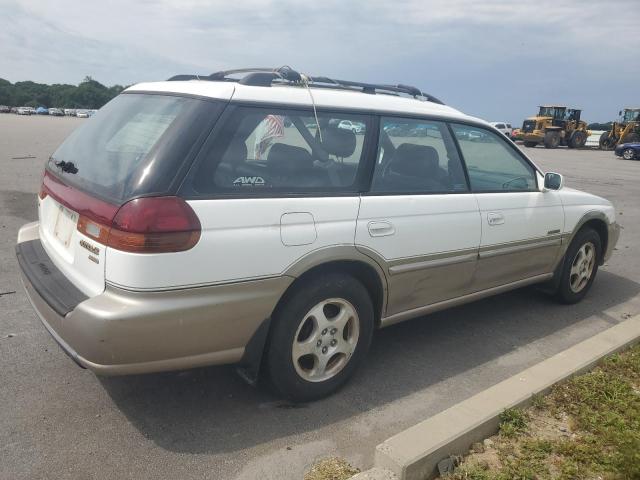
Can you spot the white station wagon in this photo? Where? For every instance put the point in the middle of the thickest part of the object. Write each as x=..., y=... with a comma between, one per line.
x=229, y=219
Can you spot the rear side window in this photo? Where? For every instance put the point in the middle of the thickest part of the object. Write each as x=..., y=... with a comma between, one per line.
x=417, y=156
x=499, y=125
x=493, y=166
x=134, y=145
x=263, y=150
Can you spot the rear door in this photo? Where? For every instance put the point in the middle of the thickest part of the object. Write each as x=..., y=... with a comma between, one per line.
x=521, y=225
x=269, y=188
x=419, y=217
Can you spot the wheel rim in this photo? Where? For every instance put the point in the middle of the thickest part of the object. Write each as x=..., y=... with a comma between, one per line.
x=628, y=154
x=582, y=267
x=325, y=340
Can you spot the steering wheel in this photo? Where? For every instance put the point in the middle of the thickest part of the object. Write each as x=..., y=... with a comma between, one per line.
x=505, y=185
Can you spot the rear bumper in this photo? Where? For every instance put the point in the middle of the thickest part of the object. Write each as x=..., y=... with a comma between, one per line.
x=121, y=332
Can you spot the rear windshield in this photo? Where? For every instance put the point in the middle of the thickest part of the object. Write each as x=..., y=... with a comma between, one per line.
x=137, y=144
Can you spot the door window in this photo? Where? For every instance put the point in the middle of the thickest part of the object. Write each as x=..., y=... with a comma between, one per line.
x=417, y=156
x=492, y=164
x=263, y=150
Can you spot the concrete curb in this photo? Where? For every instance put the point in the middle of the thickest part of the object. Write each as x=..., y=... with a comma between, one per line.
x=414, y=453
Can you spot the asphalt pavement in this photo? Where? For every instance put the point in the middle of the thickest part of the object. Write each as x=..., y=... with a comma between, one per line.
x=59, y=421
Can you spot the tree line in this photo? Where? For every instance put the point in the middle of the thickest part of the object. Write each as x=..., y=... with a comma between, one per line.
x=87, y=94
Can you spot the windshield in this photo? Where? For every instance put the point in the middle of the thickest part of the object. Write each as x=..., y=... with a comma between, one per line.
x=555, y=112
x=134, y=145
x=631, y=116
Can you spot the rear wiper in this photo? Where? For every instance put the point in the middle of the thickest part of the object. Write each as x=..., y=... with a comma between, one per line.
x=67, y=167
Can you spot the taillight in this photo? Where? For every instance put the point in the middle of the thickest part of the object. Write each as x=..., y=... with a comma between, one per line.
x=154, y=225
x=142, y=225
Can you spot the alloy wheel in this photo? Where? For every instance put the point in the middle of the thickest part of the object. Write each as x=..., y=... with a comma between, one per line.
x=325, y=340
x=582, y=267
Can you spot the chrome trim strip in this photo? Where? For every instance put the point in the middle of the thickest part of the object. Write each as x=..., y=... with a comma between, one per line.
x=507, y=249
x=439, y=262
x=434, y=307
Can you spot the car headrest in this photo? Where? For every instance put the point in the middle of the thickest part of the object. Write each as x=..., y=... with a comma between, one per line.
x=338, y=141
x=415, y=160
x=236, y=152
x=287, y=158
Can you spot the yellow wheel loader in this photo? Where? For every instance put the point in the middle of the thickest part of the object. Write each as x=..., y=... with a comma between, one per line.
x=625, y=130
x=554, y=126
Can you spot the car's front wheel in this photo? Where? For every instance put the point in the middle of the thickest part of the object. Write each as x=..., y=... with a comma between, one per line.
x=580, y=266
x=319, y=336
x=628, y=154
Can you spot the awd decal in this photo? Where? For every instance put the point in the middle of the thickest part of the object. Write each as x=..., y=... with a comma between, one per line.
x=91, y=248
x=248, y=181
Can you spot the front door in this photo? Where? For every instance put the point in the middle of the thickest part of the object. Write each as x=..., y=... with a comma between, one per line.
x=419, y=219
x=521, y=225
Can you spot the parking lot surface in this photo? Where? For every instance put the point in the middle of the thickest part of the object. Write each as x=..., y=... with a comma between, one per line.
x=58, y=421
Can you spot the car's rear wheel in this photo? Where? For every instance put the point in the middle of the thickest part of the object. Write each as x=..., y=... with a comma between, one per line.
x=319, y=336
x=580, y=266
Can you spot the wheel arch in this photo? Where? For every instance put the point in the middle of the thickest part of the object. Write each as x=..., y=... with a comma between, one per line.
x=597, y=221
x=342, y=259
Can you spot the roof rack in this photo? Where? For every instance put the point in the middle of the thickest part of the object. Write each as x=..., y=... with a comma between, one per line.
x=265, y=77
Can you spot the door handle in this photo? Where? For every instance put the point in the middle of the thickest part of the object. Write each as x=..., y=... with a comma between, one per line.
x=380, y=229
x=495, y=218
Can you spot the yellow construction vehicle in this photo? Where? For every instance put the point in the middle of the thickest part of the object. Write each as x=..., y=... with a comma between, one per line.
x=625, y=130
x=554, y=126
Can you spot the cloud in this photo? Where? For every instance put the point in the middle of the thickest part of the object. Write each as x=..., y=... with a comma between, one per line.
x=490, y=57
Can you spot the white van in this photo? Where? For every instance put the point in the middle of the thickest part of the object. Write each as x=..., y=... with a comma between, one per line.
x=215, y=220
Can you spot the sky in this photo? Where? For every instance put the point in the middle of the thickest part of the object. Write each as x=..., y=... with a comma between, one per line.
x=493, y=59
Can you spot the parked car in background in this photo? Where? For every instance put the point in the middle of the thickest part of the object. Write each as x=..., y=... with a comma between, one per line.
x=157, y=250
x=56, y=112
x=4, y=109
x=71, y=112
x=355, y=127
x=503, y=127
x=42, y=111
x=82, y=114
x=91, y=113
x=23, y=111
x=628, y=151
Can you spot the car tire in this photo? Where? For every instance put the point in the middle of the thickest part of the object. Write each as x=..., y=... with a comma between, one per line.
x=580, y=266
x=628, y=154
x=551, y=139
x=319, y=336
x=530, y=144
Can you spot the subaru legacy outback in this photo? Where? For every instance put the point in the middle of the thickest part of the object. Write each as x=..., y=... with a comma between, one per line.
x=230, y=219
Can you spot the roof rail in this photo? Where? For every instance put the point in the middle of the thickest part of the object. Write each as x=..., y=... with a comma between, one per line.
x=265, y=77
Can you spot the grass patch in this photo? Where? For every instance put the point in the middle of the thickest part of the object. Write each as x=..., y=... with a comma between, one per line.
x=513, y=421
x=331, y=469
x=587, y=427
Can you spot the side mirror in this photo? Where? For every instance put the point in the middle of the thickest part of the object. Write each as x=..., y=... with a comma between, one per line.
x=553, y=181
